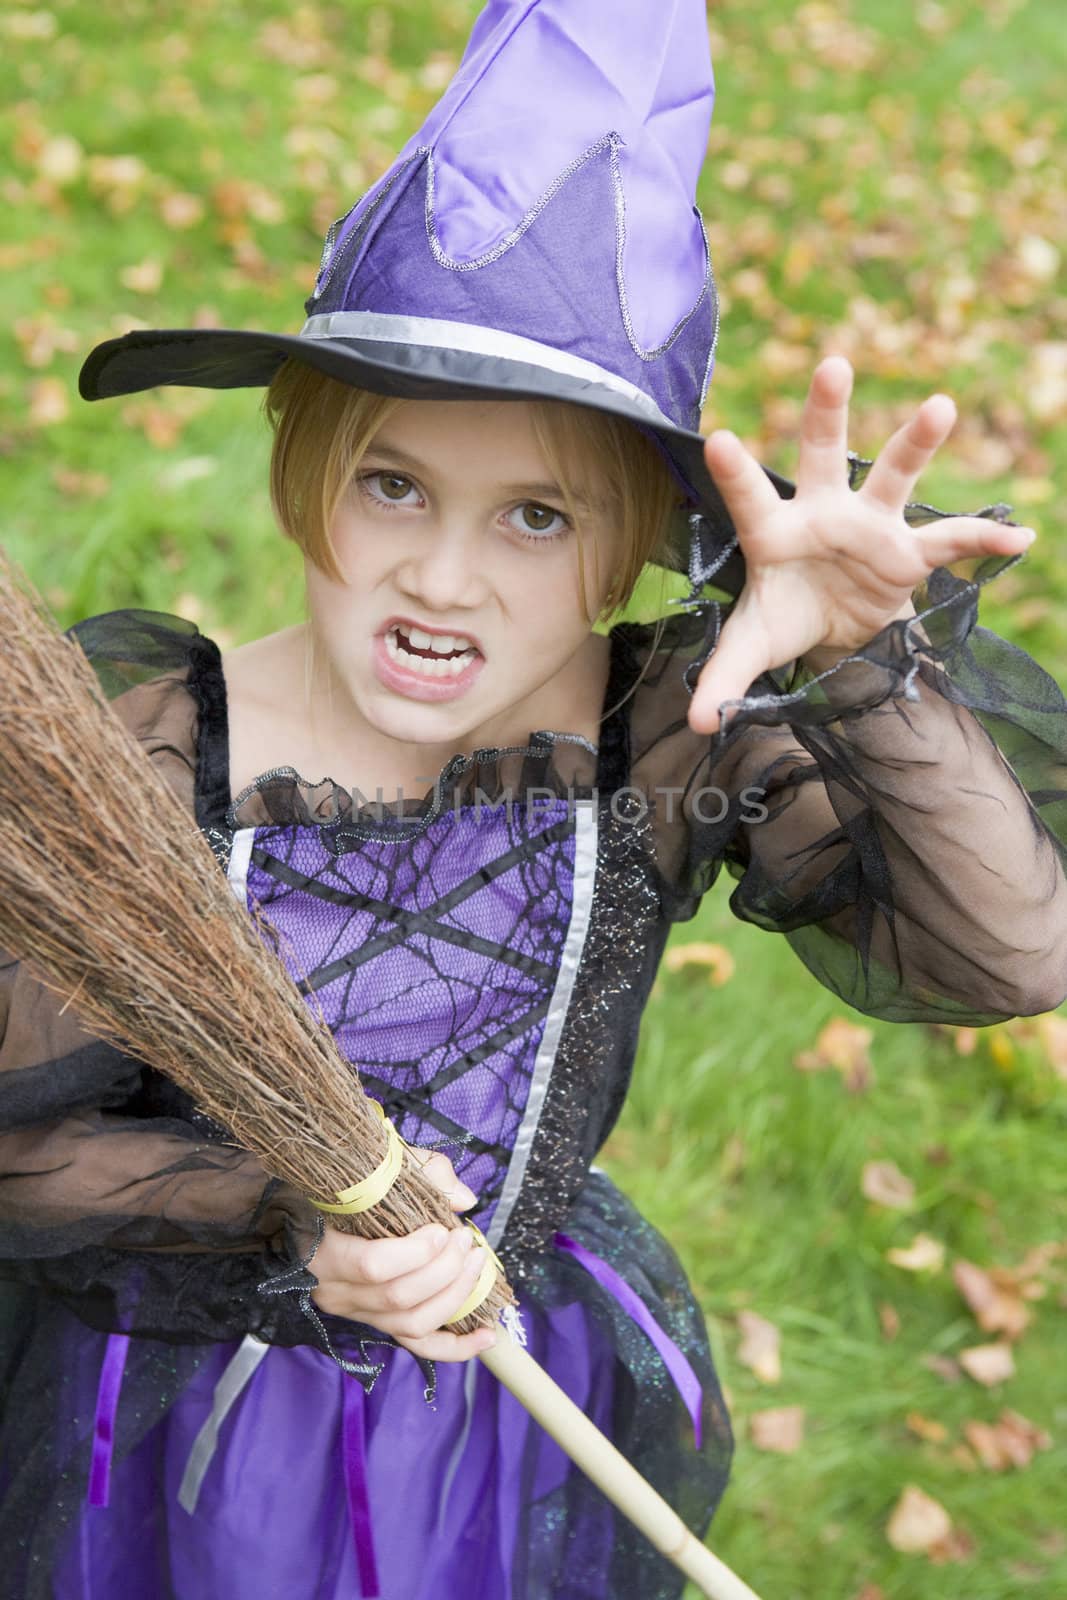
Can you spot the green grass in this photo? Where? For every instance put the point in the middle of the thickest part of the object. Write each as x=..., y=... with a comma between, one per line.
x=753, y=1169
x=874, y=174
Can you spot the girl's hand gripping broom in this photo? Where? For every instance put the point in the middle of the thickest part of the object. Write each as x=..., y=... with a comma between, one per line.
x=116, y=900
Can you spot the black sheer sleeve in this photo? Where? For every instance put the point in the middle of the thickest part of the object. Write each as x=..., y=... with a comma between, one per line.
x=901, y=818
x=116, y=1194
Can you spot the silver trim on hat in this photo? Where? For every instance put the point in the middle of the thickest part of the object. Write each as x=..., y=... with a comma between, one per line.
x=378, y=327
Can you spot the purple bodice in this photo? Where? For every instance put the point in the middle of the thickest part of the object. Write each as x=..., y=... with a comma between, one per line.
x=434, y=961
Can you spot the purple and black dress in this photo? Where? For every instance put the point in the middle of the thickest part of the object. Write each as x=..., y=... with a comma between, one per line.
x=174, y=1423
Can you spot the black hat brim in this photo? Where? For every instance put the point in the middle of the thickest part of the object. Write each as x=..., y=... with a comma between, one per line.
x=230, y=358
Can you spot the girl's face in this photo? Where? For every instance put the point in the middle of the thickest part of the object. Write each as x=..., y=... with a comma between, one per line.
x=461, y=593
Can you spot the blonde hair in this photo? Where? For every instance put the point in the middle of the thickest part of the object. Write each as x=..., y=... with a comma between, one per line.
x=323, y=428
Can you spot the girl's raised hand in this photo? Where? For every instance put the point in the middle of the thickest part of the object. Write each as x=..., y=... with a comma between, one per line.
x=832, y=567
x=408, y=1287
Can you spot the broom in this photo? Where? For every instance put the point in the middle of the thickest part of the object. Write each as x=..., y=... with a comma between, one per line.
x=125, y=916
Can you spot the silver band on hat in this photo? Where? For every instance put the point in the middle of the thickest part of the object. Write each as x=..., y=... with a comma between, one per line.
x=377, y=327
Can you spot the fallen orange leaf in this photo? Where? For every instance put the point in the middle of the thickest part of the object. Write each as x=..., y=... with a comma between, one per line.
x=889, y=1320
x=144, y=277
x=180, y=210
x=49, y=402
x=942, y=1367
x=926, y=1428
x=924, y=1254
x=60, y=160
x=988, y=1364
x=715, y=957
x=997, y=1307
x=1011, y=1441
x=885, y=1184
x=760, y=1347
x=918, y=1523
x=780, y=1430
x=843, y=1045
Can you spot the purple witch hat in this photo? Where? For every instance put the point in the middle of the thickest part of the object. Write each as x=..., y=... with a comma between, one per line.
x=537, y=238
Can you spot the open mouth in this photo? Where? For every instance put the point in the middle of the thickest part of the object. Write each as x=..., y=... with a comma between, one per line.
x=436, y=655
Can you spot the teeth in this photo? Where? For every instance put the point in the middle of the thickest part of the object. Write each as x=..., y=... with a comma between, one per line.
x=440, y=642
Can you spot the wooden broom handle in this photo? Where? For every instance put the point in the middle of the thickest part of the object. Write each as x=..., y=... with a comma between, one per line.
x=609, y=1470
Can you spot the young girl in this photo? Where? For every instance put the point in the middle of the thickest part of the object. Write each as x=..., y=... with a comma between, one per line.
x=472, y=819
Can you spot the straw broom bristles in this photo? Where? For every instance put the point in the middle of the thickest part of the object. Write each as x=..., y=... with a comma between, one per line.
x=114, y=898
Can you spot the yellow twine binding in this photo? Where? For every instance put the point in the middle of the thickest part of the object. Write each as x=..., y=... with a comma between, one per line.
x=376, y=1185
x=486, y=1278
x=373, y=1188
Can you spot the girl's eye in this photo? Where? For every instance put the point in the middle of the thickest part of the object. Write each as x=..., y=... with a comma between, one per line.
x=391, y=487
x=537, y=522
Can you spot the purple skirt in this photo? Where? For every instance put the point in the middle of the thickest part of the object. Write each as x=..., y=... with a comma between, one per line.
x=316, y=1490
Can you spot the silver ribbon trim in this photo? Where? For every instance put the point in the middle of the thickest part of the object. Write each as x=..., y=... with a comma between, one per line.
x=242, y=1366
x=436, y=333
x=585, y=847
x=240, y=860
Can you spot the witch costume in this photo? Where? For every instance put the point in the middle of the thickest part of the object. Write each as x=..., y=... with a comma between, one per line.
x=175, y=1423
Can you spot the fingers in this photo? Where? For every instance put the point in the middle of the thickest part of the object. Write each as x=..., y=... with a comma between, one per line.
x=445, y=1346
x=748, y=492
x=407, y=1290
x=436, y=1312
x=892, y=479
x=823, y=460
x=395, y=1284
x=379, y=1261
x=742, y=653
x=955, y=538
x=441, y=1173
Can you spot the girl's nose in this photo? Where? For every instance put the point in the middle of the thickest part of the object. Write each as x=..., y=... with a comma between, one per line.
x=444, y=568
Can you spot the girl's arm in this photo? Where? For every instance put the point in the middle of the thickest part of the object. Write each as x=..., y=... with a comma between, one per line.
x=140, y=1223
x=916, y=866
x=901, y=854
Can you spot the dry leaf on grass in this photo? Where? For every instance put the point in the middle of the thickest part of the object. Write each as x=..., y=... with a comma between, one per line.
x=926, y=1428
x=918, y=1523
x=714, y=958
x=844, y=1047
x=1037, y=1260
x=923, y=1254
x=61, y=159
x=888, y=1320
x=1052, y=1029
x=39, y=338
x=760, y=1347
x=959, y=1546
x=1010, y=1442
x=180, y=210
x=942, y=1367
x=997, y=1305
x=988, y=1364
x=144, y=277
x=49, y=402
x=780, y=1430
x=885, y=1184
x=80, y=485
